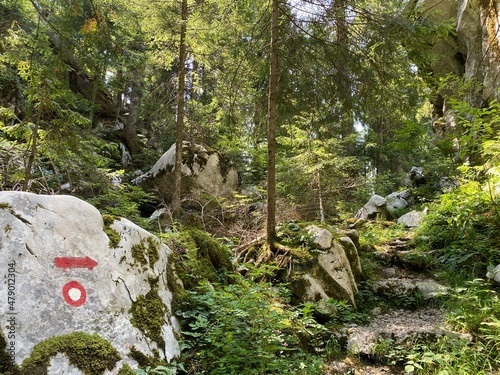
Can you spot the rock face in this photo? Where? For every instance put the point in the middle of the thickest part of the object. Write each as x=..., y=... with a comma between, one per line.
x=332, y=274
x=71, y=276
x=473, y=53
x=203, y=170
x=400, y=326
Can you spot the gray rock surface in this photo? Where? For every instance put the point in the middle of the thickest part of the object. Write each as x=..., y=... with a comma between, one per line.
x=399, y=326
x=330, y=276
x=472, y=53
x=63, y=275
x=322, y=238
x=203, y=171
x=494, y=274
x=411, y=219
x=352, y=254
x=376, y=206
x=397, y=201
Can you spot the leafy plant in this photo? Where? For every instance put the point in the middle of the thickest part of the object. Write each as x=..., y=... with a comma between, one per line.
x=158, y=370
x=246, y=328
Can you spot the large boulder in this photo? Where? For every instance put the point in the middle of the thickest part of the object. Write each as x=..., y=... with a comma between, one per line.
x=412, y=219
x=203, y=171
x=330, y=272
x=398, y=201
x=376, y=206
x=81, y=292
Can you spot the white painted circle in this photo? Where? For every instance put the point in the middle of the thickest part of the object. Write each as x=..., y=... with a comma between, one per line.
x=75, y=294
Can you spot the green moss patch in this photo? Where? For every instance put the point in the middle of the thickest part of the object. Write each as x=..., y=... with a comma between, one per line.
x=113, y=235
x=91, y=354
x=200, y=258
x=126, y=370
x=149, y=248
x=148, y=315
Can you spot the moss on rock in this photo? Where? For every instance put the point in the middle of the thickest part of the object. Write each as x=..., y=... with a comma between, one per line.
x=113, y=235
x=148, y=315
x=202, y=258
x=126, y=370
x=91, y=354
x=149, y=248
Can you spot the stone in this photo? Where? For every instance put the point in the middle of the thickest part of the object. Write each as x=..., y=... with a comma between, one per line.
x=416, y=177
x=352, y=254
x=400, y=326
x=322, y=238
x=406, y=286
x=376, y=206
x=431, y=289
x=411, y=219
x=398, y=201
x=330, y=276
x=67, y=271
x=203, y=171
x=494, y=274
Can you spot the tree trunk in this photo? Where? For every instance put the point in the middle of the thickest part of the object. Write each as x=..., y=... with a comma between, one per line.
x=130, y=126
x=34, y=141
x=344, y=79
x=271, y=129
x=176, y=199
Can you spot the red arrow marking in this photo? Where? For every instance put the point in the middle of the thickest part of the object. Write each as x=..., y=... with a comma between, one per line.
x=75, y=263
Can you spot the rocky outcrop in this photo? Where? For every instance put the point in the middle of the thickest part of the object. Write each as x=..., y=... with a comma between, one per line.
x=473, y=53
x=203, y=171
x=331, y=273
x=73, y=279
x=398, y=327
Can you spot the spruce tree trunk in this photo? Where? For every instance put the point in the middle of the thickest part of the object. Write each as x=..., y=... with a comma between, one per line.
x=130, y=126
x=176, y=199
x=344, y=79
x=271, y=129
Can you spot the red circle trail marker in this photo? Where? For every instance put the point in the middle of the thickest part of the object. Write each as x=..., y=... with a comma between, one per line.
x=74, y=293
x=75, y=262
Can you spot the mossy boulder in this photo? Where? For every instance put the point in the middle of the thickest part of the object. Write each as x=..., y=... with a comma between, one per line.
x=329, y=272
x=203, y=171
x=71, y=271
x=200, y=258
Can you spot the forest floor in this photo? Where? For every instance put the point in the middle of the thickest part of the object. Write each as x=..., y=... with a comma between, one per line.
x=401, y=322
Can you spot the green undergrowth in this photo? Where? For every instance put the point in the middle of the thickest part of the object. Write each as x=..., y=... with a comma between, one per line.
x=249, y=328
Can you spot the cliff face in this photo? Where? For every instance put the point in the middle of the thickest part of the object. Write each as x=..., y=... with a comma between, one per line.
x=473, y=53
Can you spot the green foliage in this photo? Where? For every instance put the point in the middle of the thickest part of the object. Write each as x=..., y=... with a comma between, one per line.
x=462, y=228
x=123, y=200
x=474, y=309
x=89, y=353
x=375, y=233
x=246, y=328
x=158, y=370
